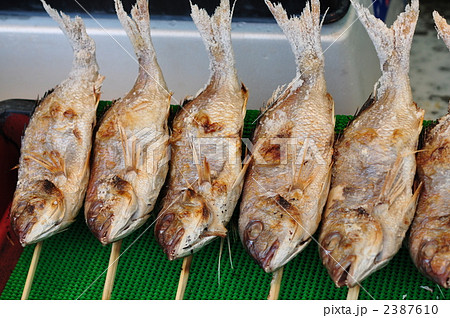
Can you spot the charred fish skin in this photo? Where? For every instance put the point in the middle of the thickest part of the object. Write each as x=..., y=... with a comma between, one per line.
x=54, y=161
x=429, y=241
x=284, y=193
x=205, y=179
x=131, y=145
x=371, y=203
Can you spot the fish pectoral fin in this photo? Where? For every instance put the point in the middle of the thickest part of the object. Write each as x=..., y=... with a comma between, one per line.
x=415, y=197
x=54, y=161
x=394, y=183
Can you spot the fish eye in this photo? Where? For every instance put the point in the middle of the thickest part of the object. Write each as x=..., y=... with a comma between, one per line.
x=254, y=228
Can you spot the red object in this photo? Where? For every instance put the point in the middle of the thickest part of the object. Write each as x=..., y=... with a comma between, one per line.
x=10, y=248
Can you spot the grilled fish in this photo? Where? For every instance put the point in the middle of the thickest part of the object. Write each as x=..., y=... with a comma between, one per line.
x=371, y=203
x=131, y=145
x=54, y=161
x=288, y=178
x=429, y=241
x=205, y=178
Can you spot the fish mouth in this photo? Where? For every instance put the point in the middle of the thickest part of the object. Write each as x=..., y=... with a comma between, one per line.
x=434, y=262
x=169, y=231
x=36, y=219
x=258, y=245
x=99, y=221
x=342, y=273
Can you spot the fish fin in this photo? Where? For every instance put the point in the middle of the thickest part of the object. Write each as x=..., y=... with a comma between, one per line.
x=367, y=104
x=82, y=44
x=392, y=44
x=442, y=28
x=242, y=173
x=415, y=197
x=216, y=35
x=215, y=229
x=244, y=91
x=53, y=161
x=306, y=174
x=137, y=28
x=393, y=184
x=303, y=33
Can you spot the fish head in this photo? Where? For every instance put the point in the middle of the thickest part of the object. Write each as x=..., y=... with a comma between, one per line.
x=186, y=225
x=433, y=257
x=38, y=212
x=273, y=234
x=110, y=206
x=350, y=248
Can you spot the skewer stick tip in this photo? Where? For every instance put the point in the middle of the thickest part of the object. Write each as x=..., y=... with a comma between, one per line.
x=353, y=293
x=275, y=284
x=32, y=271
x=184, y=276
x=112, y=269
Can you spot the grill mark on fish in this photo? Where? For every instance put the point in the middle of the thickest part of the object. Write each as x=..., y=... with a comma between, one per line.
x=202, y=120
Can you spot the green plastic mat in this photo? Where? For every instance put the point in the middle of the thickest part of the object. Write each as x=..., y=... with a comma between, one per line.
x=73, y=265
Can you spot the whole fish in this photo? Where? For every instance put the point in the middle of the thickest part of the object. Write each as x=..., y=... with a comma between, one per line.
x=288, y=179
x=205, y=179
x=429, y=242
x=371, y=203
x=131, y=145
x=54, y=160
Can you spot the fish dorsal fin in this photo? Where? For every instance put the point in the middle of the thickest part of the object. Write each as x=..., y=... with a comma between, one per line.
x=367, y=104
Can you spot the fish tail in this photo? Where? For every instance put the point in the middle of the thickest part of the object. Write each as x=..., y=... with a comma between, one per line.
x=137, y=28
x=216, y=35
x=82, y=44
x=442, y=28
x=303, y=33
x=392, y=44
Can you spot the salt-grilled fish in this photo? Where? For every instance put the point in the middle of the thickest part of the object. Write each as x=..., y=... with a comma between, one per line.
x=54, y=161
x=131, y=145
x=288, y=178
x=371, y=202
x=429, y=242
x=205, y=179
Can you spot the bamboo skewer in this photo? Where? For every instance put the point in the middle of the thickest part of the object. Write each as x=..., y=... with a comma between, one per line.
x=275, y=284
x=112, y=269
x=184, y=276
x=32, y=271
x=353, y=293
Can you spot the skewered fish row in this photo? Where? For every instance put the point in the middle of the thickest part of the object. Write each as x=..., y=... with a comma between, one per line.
x=429, y=242
x=371, y=205
x=288, y=178
x=131, y=145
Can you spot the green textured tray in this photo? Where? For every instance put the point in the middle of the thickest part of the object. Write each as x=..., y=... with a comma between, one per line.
x=73, y=265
